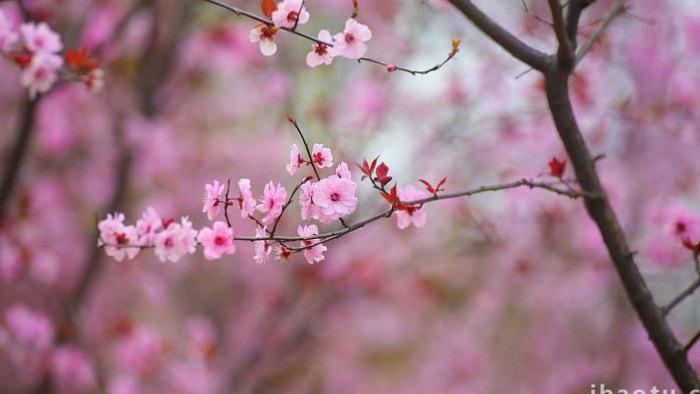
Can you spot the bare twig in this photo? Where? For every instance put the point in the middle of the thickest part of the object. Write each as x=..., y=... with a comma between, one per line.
x=284, y=207
x=680, y=297
x=617, y=9
x=226, y=202
x=521, y=51
x=306, y=146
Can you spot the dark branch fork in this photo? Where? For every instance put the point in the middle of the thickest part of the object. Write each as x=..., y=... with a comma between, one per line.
x=557, y=69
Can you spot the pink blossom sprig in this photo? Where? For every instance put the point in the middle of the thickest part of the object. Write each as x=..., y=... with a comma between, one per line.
x=350, y=43
x=36, y=49
x=324, y=199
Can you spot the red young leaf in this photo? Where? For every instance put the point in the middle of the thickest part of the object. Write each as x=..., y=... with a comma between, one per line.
x=384, y=180
x=364, y=167
x=556, y=167
x=382, y=170
x=391, y=197
x=268, y=7
x=80, y=61
x=441, y=183
x=428, y=186
x=371, y=167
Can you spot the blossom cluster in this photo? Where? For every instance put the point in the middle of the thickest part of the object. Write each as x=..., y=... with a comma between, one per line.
x=350, y=43
x=328, y=199
x=323, y=199
x=36, y=48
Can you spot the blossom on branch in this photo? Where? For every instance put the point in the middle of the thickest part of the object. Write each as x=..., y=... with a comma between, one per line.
x=342, y=171
x=290, y=13
x=175, y=241
x=351, y=42
x=295, y=160
x=308, y=209
x=147, y=226
x=120, y=240
x=217, y=240
x=335, y=198
x=41, y=73
x=40, y=38
x=265, y=35
x=246, y=202
x=272, y=202
x=262, y=248
x=410, y=214
x=313, y=253
x=322, y=157
x=212, y=202
x=321, y=53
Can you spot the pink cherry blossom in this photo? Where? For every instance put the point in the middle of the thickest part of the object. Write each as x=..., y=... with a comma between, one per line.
x=351, y=42
x=29, y=328
x=321, y=156
x=41, y=73
x=262, y=248
x=272, y=202
x=8, y=36
x=117, y=237
x=39, y=38
x=411, y=214
x=295, y=160
x=217, y=241
x=290, y=13
x=308, y=209
x=212, y=199
x=147, y=226
x=321, y=53
x=265, y=35
x=177, y=240
x=71, y=369
x=314, y=253
x=335, y=197
x=342, y=171
x=246, y=201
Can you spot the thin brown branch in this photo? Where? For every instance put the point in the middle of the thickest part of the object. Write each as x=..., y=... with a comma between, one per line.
x=680, y=297
x=533, y=15
x=306, y=146
x=286, y=205
x=518, y=49
x=226, y=202
x=617, y=9
x=436, y=67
